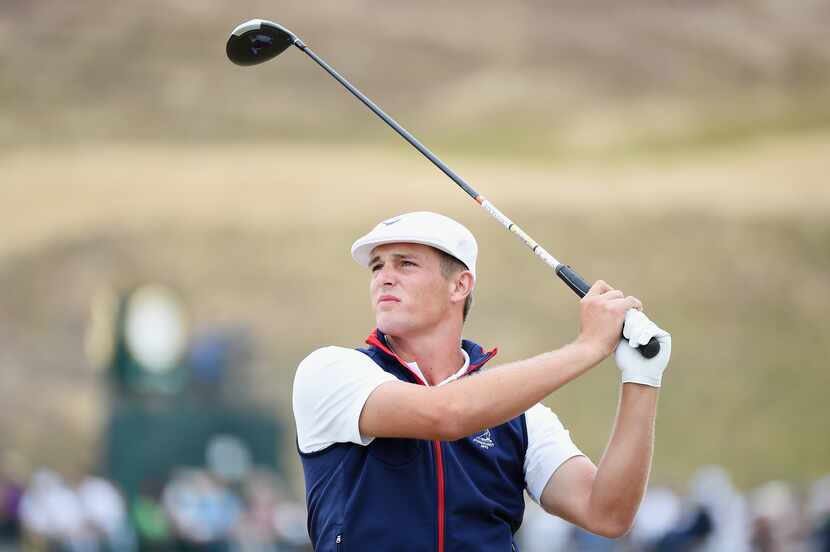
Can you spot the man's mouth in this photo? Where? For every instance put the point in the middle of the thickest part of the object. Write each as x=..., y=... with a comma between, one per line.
x=388, y=298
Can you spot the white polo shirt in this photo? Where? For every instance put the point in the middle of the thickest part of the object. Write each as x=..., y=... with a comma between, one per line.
x=333, y=383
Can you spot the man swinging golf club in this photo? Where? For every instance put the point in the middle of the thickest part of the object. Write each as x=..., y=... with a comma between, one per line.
x=409, y=445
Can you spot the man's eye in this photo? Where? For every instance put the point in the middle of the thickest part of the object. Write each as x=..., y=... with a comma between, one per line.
x=375, y=268
x=408, y=263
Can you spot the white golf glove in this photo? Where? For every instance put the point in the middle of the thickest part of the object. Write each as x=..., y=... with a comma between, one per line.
x=635, y=368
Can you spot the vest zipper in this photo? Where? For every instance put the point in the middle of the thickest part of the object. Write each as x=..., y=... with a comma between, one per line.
x=338, y=541
x=439, y=470
x=375, y=341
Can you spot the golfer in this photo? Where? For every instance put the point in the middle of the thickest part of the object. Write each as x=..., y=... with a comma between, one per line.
x=412, y=444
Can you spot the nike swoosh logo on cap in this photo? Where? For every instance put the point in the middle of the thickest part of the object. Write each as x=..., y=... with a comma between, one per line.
x=391, y=222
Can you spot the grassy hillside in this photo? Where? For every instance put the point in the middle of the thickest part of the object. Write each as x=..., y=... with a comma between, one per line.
x=730, y=250
x=676, y=149
x=533, y=77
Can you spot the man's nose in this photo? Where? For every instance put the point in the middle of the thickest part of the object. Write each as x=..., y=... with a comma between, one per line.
x=387, y=276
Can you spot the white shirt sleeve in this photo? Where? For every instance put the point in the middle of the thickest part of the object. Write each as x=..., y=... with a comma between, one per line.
x=549, y=445
x=330, y=388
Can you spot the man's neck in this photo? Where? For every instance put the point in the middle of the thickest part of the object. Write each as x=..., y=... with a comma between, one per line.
x=438, y=352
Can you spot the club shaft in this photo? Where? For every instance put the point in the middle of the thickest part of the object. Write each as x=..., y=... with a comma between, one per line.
x=573, y=280
x=537, y=249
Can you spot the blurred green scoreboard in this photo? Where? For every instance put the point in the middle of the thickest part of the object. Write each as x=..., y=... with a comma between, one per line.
x=146, y=444
x=173, y=403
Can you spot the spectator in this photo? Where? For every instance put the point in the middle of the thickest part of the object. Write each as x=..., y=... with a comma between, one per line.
x=712, y=490
x=289, y=522
x=149, y=518
x=775, y=518
x=106, y=514
x=542, y=532
x=659, y=513
x=818, y=515
x=52, y=515
x=583, y=541
x=11, y=493
x=202, y=511
x=255, y=530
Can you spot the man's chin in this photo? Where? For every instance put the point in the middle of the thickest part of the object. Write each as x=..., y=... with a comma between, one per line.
x=390, y=325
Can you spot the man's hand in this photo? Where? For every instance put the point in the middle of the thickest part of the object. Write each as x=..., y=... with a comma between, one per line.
x=602, y=312
x=635, y=368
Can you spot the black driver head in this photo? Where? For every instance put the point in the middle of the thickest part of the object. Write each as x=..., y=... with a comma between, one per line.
x=258, y=40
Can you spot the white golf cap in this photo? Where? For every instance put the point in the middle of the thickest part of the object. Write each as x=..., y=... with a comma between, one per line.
x=421, y=227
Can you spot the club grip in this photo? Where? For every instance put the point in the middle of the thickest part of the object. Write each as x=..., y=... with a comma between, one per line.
x=574, y=280
x=581, y=287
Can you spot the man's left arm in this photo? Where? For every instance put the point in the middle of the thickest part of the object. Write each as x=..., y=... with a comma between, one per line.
x=605, y=499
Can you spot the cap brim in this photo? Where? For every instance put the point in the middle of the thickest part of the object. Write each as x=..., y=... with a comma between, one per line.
x=362, y=248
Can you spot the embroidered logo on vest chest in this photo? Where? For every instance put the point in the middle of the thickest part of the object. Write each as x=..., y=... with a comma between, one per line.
x=484, y=440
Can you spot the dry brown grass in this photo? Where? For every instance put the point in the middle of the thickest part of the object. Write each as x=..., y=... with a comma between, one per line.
x=544, y=75
x=60, y=191
x=730, y=249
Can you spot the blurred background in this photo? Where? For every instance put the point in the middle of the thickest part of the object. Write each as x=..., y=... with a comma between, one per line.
x=175, y=237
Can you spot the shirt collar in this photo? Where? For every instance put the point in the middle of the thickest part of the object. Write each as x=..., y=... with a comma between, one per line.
x=478, y=356
x=463, y=370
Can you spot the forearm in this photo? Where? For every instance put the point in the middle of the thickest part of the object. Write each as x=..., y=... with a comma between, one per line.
x=623, y=472
x=504, y=392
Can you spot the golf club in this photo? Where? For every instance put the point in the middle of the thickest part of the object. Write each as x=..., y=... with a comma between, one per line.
x=257, y=41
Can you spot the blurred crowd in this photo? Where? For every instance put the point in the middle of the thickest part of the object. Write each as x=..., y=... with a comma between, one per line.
x=192, y=511
x=712, y=517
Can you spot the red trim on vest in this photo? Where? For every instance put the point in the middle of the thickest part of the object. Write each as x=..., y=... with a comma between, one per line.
x=375, y=341
x=487, y=356
x=439, y=468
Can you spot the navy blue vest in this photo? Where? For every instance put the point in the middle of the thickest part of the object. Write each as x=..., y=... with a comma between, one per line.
x=411, y=495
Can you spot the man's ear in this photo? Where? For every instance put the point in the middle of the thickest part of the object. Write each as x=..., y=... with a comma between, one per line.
x=462, y=286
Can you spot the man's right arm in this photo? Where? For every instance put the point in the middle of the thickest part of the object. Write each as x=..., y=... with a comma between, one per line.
x=463, y=407
x=468, y=405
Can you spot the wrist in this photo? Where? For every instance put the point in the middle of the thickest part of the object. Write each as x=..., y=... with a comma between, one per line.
x=642, y=379
x=589, y=351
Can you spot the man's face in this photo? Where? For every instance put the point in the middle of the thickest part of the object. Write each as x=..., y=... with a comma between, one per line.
x=409, y=294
